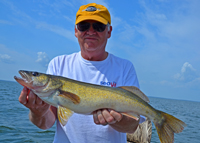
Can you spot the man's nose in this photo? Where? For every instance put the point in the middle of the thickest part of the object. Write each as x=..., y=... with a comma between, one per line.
x=91, y=30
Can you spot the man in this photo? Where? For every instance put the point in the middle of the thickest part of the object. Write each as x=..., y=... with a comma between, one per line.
x=92, y=65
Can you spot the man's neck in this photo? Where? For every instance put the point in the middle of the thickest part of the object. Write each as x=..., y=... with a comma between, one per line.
x=94, y=56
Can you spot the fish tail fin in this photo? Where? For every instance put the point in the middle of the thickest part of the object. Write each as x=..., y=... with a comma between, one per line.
x=167, y=126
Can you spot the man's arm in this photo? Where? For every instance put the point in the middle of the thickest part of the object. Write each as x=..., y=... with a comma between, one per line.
x=116, y=120
x=45, y=121
x=41, y=114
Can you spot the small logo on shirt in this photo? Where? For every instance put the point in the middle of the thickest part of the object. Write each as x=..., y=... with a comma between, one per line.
x=111, y=84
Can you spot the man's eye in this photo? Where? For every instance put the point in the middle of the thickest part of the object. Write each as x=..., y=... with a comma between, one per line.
x=35, y=73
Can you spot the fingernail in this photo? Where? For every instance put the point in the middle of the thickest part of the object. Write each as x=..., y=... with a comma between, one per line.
x=113, y=122
x=119, y=120
x=96, y=122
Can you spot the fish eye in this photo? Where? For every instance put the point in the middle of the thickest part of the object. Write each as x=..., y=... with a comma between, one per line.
x=35, y=73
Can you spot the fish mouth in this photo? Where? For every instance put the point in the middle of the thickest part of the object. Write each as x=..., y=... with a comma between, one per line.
x=25, y=76
x=26, y=80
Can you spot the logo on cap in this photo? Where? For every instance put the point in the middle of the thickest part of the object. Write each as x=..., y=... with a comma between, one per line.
x=91, y=8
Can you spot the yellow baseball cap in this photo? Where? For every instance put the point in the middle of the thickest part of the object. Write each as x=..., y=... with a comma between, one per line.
x=93, y=11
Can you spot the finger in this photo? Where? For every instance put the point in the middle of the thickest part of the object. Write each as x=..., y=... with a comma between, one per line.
x=95, y=117
x=23, y=96
x=31, y=98
x=117, y=116
x=101, y=118
x=45, y=105
x=108, y=117
x=38, y=101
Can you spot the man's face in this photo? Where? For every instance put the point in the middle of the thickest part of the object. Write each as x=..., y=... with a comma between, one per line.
x=91, y=40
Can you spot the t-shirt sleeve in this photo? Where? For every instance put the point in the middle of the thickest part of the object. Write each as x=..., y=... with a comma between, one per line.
x=130, y=76
x=52, y=68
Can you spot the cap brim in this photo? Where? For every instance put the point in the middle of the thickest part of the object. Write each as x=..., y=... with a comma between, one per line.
x=92, y=17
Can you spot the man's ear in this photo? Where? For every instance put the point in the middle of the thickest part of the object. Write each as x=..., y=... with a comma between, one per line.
x=76, y=31
x=109, y=32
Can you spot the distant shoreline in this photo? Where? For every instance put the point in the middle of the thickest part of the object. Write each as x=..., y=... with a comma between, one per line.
x=8, y=80
x=173, y=99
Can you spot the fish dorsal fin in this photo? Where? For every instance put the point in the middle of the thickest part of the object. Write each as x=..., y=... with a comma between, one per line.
x=71, y=96
x=136, y=91
x=64, y=114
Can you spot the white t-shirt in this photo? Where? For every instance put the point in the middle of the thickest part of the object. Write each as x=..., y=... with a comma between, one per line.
x=113, y=72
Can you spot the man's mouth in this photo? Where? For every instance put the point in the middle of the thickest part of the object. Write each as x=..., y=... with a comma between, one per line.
x=91, y=38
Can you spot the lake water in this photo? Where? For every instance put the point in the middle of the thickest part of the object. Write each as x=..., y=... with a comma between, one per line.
x=15, y=126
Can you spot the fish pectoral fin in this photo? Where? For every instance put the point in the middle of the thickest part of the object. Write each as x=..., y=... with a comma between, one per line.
x=64, y=114
x=71, y=96
x=132, y=115
x=136, y=91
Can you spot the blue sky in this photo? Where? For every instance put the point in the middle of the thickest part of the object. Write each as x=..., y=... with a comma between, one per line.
x=160, y=37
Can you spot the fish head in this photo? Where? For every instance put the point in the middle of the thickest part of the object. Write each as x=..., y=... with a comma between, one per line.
x=32, y=80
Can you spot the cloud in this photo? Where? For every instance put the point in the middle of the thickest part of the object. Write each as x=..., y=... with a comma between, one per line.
x=16, y=11
x=173, y=26
x=187, y=73
x=58, y=30
x=6, y=59
x=23, y=18
x=42, y=58
x=69, y=19
x=5, y=22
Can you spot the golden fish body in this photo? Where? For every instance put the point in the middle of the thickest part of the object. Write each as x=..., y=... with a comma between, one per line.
x=73, y=96
x=93, y=97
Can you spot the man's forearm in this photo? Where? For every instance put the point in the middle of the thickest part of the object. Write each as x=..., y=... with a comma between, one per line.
x=43, y=122
x=126, y=125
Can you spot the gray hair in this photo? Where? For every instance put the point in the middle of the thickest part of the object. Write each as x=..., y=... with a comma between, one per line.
x=108, y=26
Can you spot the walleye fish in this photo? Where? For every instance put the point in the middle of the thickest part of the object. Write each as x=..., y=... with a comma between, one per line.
x=71, y=96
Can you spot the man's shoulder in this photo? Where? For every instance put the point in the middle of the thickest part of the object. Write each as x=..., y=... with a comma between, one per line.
x=65, y=56
x=120, y=60
x=61, y=58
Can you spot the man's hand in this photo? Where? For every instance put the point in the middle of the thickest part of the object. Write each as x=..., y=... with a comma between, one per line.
x=116, y=120
x=40, y=112
x=106, y=116
x=33, y=102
